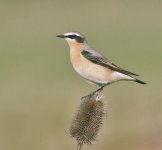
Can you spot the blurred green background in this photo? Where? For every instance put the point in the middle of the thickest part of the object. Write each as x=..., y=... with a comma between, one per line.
x=40, y=91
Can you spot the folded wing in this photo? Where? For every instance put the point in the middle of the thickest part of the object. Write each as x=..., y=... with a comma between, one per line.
x=97, y=58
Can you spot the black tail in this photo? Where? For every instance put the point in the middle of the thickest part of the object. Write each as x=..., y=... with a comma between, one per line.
x=139, y=81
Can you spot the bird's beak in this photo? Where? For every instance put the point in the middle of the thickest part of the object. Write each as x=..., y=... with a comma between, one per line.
x=61, y=36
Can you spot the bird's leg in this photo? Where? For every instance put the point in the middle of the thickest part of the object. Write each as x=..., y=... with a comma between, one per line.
x=92, y=93
x=100, y=89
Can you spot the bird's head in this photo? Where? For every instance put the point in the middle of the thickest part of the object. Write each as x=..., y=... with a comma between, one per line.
x=73, y=38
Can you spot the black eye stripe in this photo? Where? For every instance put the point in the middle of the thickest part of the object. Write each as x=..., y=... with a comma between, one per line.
x=79, y=39
x=71, y=36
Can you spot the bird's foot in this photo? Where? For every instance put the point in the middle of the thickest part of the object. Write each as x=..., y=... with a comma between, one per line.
x=100, y=89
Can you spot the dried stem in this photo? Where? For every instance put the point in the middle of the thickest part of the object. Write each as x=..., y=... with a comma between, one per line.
x=79, y=146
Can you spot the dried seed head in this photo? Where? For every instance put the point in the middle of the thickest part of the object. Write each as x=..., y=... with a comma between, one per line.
x=88, y=119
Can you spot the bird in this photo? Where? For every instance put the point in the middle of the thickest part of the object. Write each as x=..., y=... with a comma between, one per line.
x=92, y=65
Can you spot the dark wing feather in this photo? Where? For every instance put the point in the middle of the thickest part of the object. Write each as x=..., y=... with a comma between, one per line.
x=100, y=60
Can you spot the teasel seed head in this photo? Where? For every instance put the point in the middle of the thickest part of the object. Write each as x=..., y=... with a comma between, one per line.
x=88, y=119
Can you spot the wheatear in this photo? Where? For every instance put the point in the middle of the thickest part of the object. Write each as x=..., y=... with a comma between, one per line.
x=93, y=66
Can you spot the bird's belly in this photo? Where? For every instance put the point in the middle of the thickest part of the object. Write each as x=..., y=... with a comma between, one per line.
x=93, y=72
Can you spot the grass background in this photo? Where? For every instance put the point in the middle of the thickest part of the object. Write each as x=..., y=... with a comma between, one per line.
x=39, y=90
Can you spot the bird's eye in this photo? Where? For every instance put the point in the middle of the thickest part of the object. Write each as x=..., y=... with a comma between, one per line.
x=72, y=36
x=79, y=39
